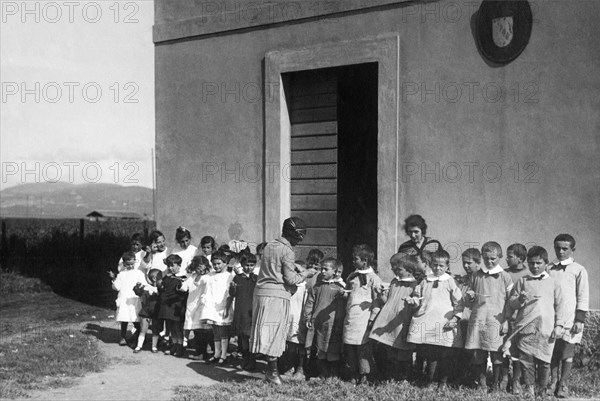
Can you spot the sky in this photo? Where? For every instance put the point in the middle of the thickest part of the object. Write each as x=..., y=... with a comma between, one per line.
x=77, y=94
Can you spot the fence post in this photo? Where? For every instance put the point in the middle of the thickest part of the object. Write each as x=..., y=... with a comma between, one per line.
x=81, y=230
x=4, y=243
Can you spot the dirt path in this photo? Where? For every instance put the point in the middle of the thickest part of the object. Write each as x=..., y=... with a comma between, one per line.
x=142, y=376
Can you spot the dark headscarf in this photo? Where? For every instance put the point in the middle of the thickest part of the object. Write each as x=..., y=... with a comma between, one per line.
x=294, y=227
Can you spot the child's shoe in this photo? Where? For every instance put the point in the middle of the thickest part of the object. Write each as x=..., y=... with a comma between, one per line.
x=136, y=350
x=179, y=351
x=562, y=391
x=154, y=350
x=551, y=387
x=123, y=342
x=299, y=374
x=271, y=374
x=362, y=380
x=171, y=350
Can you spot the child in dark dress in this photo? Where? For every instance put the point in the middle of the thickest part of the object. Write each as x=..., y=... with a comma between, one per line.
x=172, y=308
x=242, y=290
x=149, y=313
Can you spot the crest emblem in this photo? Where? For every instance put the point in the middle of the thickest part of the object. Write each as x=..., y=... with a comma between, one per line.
x=502, y=31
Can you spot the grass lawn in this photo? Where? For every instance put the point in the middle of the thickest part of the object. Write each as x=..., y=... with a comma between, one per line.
x=41, y=345
x=584, y=384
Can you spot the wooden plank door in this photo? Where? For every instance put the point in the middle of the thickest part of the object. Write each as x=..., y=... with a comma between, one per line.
x=312, y=104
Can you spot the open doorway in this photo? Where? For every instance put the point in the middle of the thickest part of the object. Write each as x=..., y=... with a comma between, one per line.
x=333, y=114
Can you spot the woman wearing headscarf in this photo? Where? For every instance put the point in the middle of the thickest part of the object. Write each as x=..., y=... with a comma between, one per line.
x=277, y=280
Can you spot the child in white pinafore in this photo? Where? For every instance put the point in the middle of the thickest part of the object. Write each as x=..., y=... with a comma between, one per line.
x=195, y=286
x=539, y=320
x=364, y=286
x=434, y=325
x=488, y=295
x=216, y=309
x=128, y=304
x=390, y=329
x=574, y=282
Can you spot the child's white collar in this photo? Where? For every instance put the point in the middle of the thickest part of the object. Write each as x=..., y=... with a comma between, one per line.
x=366, y=271
x=406, y=279
x=443, y=277
x=565, y=262
x=494, y=270
x=335, y=280
x=543, y=276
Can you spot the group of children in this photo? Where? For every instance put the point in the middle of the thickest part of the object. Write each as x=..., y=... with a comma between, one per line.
x=205, y=292
x=425, y=324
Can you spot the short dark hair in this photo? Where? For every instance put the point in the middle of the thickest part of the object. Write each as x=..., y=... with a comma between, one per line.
x=197, y=261
x=128, y=256
x=566, y=238
x=492, y=246
x=440, y=254
x=338, y=266
x=473, y=253
x=519, y=250
x=208, y=240
x=220, y=255
x=181, y=233
x=155, y=275
x=154, y=235
x=173, y=260
x=248, y=258
x=315, y=256
x=408, y=262
x=137, y=237
x=415, y=220
x=537, y=251
x=364, y=252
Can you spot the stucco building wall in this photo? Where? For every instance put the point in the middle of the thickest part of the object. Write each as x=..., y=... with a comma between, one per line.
x=506, y=154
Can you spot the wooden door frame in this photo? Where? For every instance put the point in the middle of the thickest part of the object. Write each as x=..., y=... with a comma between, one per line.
x=383, y=50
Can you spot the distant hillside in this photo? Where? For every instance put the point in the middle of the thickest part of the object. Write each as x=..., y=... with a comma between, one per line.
x=61, y=199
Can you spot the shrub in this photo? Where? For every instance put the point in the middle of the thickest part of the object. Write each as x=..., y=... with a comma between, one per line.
x=588, y=352
x=13, y=283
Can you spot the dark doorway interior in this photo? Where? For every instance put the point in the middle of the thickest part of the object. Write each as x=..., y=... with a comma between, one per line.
x=333, y=116
x=357, y=159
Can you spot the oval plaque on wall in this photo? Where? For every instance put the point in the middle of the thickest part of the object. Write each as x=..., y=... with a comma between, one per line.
x=503, y=29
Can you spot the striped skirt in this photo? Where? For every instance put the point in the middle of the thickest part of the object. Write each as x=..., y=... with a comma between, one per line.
x=269, y=325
